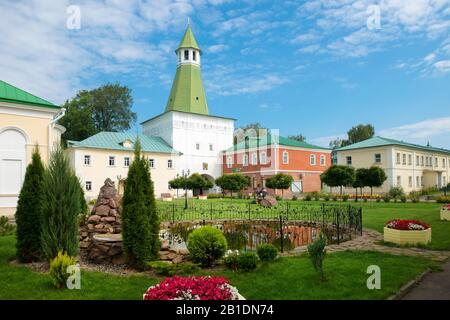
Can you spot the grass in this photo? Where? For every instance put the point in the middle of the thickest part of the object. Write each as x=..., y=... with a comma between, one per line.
x=287, y=278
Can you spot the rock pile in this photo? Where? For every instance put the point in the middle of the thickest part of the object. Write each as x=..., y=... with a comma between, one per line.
x=172, y=255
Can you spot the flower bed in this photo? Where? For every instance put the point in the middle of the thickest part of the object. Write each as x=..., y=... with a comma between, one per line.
x=407, y=232
x=445, y=212
x=193, y=288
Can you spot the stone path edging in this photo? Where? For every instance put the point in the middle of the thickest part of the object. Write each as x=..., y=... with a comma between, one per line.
x=409, y=286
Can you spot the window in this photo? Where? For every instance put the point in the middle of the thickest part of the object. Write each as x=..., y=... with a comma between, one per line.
x=410, y=181
x=399, y=181
x=421, y=161
x=151, y=163
x=245, y=160
x=254, y=159
x=409, y=159
x=194, y=55
x=205, y=166
x=435, y=162
x=417, y=181
x=87, y=160
x=285, y=157
x=197, y=146
x=312, y=159
x=398, y=158
x=170, y=164
x=323, y=160
x=443, y=163
x=126, y=161
x=186, y=54
x=263, y=157
x=377, y=157
x=88, y=185
x=417, y=160
x=349, y=160
x=211, y=147
x=404, y=159
x=421, y=181
x=229, y=161
x=112, y=161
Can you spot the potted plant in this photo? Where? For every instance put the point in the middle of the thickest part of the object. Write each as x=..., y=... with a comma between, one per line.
x=445, y=212
x=193, y=288
x=407, y=232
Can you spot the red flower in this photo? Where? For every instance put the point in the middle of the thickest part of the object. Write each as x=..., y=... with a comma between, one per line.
x=399, y=224
x=192, y=288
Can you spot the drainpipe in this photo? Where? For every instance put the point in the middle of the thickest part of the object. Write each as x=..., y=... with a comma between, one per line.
x=58, y=116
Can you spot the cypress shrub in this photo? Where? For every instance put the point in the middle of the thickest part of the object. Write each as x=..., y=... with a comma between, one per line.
x=140, y=223
x=61, y=207
x=29, y=212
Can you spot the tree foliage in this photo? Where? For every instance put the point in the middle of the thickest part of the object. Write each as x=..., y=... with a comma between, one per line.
x=375, y=178
x=29, y=211
x=338, y=176
x=61, y=207
x=279, y=181
x=140, y=223
x=356, y=134
x=317, y=254
x=298, y=137
x=197, y=181
x=107, y=108
x=235, y=182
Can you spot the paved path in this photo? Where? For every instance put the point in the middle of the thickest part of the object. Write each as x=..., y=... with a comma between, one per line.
x=369, y=241
x=434, y=286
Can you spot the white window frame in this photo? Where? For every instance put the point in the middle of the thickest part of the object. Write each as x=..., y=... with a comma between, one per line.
x=229, y=161
x=169, y=164
x=86, y=184
x=285, y=157
x=197, y=146
x=323, y=160
x=211, y=147
x=254, y=159
x=126, y=162
x=245, y=160
x=263, y=157
x=312, y=159
x=410, y=161
x=113, y=158
x=410, y=181
x=152, y=163
x=88, y=158
x=375, y=157
x=398, y=160
x=404, y=159
x=399, y=181
x=348, y=158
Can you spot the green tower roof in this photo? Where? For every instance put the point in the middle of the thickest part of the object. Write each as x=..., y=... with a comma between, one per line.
x=12, y=94
x=188, y=40
x=187, y=93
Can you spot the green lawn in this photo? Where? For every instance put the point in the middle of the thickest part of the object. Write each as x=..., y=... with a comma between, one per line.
x=287, y=278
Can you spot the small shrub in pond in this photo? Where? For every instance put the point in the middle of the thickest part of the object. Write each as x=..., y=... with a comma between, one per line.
x=317, y=253
x=267, y=252
x=247, y=261
x=231, y=259
x=58, y=269
x=206, y=245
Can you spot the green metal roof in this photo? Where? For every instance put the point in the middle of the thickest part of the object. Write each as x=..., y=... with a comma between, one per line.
x=262, y=141
x=187, y=93
x=12, y=94
x=188, y=40
x=380, y=141
x=114, y=140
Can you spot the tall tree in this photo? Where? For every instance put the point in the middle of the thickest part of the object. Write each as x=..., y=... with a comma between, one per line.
x=197, y=181
x=140, y=223
x=235, y=182
x=29, y=211
x=280, y=181
x=361, y=180
x=179, y=183
x=61, y=207
x=107, y=108
x=360, y=132
x=375, y=178
x=255, y=125
x=298, y=137
x=338, y=176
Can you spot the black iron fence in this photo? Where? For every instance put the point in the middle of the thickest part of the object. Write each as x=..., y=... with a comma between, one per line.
x=247, y=225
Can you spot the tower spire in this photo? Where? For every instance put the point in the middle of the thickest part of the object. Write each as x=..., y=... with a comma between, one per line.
x=187, y=93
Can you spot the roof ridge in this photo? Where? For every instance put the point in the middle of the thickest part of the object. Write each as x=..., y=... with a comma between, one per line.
x=41, y=100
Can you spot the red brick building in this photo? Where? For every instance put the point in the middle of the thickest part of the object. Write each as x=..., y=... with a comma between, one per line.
x=263, y=157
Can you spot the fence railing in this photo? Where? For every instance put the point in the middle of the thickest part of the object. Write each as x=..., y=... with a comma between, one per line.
x=339, y=222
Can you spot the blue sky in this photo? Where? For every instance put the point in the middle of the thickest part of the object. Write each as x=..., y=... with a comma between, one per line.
x=310, y=67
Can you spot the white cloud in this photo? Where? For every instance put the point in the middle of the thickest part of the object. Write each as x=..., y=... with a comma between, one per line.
x=443, y=66
x=309, y=49
x=217, y=48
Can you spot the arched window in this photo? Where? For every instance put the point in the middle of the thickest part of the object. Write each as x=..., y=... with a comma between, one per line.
x=186, y=54
x=285, y=157
x=323, y=160
x=312, y=159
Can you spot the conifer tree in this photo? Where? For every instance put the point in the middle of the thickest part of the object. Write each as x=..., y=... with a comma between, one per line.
x=140, y=223
x=61, y=207
x=29, y=211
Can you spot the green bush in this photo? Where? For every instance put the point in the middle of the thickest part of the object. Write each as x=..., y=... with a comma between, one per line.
x=335, y=198
x=267, y=252
x=214, y=196
x=171, y=269
x=58, y=269
x=378, y=200
x=29, y=212
x=327, y=198
x=247, y=261
x=345, y=197
x=403, y=199
x=308, y=197
x=396, y=193
x=414, y=196
x=140, y=221
x=317, y=254
x=6, y=228
x=61, y=207
x=231, y=259
x=278, y=198
x=443, y=199
x=294, y=198
x=387, y=198
x=206, y=245
x=365, y=199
